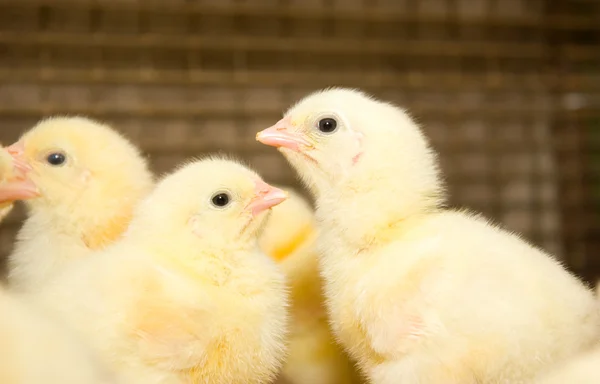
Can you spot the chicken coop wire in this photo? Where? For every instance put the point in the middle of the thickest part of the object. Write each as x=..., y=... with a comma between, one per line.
x=508, y=91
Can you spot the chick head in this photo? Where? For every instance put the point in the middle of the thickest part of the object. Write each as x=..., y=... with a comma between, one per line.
x=219, y=202
x=338, y=135
x=77, y=161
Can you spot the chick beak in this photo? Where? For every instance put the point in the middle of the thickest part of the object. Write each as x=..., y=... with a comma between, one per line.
x=267, y=197
x=17, y=152
x=22, y=188
x=18, y=190
x=280, y=136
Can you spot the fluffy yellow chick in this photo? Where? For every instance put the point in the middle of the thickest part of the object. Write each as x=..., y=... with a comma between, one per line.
x=314, y=356
x=186, y=296
x=37, y=349
x=418, y=293
x=88, y=179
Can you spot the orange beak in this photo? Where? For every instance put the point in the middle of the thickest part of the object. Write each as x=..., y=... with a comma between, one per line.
x=267, y=197
x=280, y=136
x=21, y=188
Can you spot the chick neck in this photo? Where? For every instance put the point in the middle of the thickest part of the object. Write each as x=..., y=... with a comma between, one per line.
x=388, y=187
x=91, y=225
x=209, y=259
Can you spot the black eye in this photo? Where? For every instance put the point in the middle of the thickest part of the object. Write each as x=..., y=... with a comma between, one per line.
x=220, y=200
x=56, y=158
x=327, y=125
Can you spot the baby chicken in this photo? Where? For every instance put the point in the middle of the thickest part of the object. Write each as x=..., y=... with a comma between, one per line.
x=417, y=293
x=89, y=179
x=38, y=349
x=314, y=357
x=186, y=296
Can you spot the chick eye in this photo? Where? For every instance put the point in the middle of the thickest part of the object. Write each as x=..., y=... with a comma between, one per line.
x=220, y=200
x=56, y=158
x=327, y=125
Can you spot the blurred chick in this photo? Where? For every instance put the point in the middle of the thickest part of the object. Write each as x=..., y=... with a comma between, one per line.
x=89, y=179
x=584, y=369
x=314, y=357
x=290, y=225
x=186, y=296
x=36, y=349
x=418, y=293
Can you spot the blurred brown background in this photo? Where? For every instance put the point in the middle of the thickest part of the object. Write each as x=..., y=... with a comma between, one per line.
x=508, y=90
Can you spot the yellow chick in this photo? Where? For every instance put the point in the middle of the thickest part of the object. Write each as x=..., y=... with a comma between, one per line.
x=416, y=292
x=36, y=349
x=314, y=357
x=88, y=179
x=186, y=296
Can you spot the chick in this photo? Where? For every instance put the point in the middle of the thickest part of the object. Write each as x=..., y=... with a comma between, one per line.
x=38, y=349
x=186, y=296
x=418, y=293
x=584, y=369
x=88, y=179
x=314, y=357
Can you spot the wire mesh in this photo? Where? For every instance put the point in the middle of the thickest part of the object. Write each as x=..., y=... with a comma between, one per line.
x=508, y=91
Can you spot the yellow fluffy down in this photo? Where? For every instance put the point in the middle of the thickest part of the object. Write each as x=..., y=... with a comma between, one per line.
x=584, y=369
x=35, y=349
x=314, y=357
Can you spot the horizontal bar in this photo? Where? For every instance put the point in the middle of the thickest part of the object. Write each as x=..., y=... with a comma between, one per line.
x=370, y=14
x=241, y=78
x=154, y=111
x=283, y=44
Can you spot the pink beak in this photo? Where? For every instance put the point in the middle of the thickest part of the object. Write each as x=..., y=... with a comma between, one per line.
x=17, y=151
x=267, y=197
x=279, y=136
x=22, y=188
x=18, y=190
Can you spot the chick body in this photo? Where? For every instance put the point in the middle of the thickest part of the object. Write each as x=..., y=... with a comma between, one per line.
x=418, y=293
x=186, y=296
x=583, y=369
x=314, y=355
x=443, y=302
x=37, y=348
